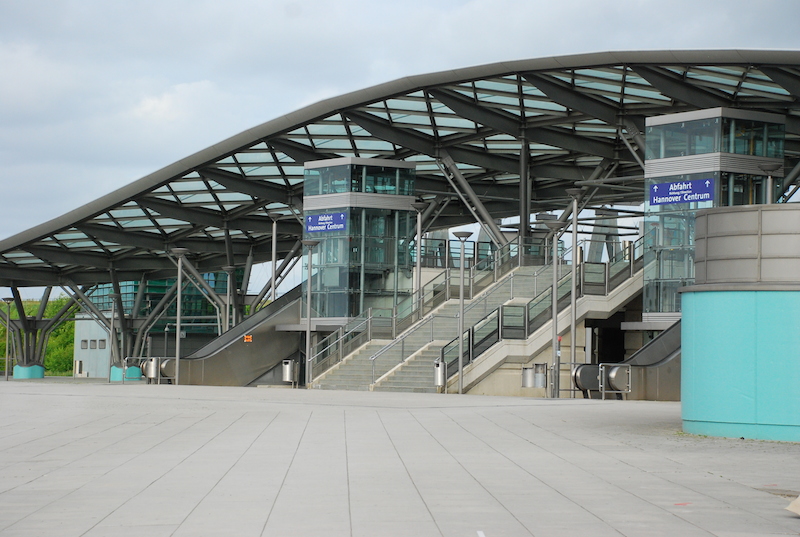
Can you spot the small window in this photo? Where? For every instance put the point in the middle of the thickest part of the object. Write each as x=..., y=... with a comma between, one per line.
x=93, y=344
x=101, y=344
x=84, y=344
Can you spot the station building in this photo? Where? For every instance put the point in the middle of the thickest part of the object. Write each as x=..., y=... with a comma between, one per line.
x=582, y=226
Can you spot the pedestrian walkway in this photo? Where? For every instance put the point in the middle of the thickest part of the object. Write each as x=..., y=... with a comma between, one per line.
x=91, y=459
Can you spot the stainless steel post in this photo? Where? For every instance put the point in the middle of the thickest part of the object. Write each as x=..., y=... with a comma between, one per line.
x=180, y=252
x=573, y=299
x=274, y=254
x=8, y=301
x=309, y=243
x=112, y=336
x=554, y=226
x=419, y=207
x=462, y=236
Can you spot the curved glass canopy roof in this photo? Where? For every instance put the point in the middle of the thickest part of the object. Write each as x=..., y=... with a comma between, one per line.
x=581, y=118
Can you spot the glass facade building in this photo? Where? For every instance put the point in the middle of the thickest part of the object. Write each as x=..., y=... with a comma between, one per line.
x=360, y=211
x=696, y=160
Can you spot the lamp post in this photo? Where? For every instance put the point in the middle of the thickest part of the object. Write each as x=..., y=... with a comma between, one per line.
x=274, y=216
x=554, y=226
x=769, y=169
x=112, y=339
x=462, y=236
x=8, y=301
x=180, y=253
x=309, y=244
x=574, y=193
x=419, y=206
x=229, y=270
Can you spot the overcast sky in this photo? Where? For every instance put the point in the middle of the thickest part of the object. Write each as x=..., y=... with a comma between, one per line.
x=96, y=94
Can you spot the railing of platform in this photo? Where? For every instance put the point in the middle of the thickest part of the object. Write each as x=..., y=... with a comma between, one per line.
x=516, y=288
x=521, y=321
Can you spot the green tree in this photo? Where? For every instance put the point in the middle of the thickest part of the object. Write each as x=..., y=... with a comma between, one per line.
x=60, y=347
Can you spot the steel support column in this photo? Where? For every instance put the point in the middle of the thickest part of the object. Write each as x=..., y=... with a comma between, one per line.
x=463, y=185
x=524, y=192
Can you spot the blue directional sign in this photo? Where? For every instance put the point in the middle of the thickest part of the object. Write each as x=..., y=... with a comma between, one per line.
x=682, y=191
x=326, y=222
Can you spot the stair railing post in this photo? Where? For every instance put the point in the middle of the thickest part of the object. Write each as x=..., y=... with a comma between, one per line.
x=496, y=262
x=630, y=256
x=341, y=344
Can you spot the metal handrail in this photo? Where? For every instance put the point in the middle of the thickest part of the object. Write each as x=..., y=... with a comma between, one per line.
x=477, y=301
x=370, y=318
x=629, y=257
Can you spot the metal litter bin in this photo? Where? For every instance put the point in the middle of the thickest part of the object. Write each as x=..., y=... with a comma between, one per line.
x=534, y=377
x=540, y=375
x=150, y=369
x=439, y=373
x=527, y=377
x=287, y=370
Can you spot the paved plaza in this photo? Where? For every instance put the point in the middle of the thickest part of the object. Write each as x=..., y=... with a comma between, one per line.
x=88, y=458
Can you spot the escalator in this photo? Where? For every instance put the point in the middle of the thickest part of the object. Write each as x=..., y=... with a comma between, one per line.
x=233, y=359
x=655, y=370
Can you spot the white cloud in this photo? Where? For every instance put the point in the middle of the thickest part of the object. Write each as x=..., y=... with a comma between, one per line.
x=95, y=94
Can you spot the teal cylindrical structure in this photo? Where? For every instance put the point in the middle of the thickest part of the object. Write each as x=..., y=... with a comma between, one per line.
x=28, y=372
x=740, y=373
x=741, y=364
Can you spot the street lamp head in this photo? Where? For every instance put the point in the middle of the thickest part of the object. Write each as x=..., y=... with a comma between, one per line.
x=113, y=295
x=462, y=235
x=574, y=192
x=769, y=168
x=419, y=206
x=310, y=242
x=554, y=225
x=8, y=300
x=179, y=252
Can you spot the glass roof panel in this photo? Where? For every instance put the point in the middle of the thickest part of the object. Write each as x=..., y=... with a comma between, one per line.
x=252, y=157
x=235, y=196
x=326, y=128
x=127, y=213
x=407, y=105
x=70, y=235
x=136, y=223
x=187, y=186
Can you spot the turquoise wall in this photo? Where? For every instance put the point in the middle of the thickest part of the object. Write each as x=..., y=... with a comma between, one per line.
x=28, y=372
x=741, y=364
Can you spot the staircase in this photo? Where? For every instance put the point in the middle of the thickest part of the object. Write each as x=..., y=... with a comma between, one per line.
x=424, y=341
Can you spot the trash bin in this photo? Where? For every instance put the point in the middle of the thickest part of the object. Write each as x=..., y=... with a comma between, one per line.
x=534, y=377
x=150, y=368
x=527, y=377
x=439, y=373
x=540, y=375
x=287, y=369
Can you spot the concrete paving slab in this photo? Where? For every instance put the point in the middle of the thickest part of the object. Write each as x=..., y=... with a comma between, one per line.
x=91, y=459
